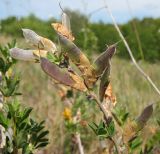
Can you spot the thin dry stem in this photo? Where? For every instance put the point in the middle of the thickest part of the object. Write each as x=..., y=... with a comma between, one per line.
x=80, y=146
x=106, y=117
x=129, y=50
x=100, y=105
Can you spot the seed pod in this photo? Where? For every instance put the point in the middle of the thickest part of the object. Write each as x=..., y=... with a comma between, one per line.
x=80, y=60
x=39, y=41
x=20, y=54
x=105, y=80
x=40, y=53
x=103, y=60
x=133, y=127
x=66, y=21
x=68, y=79
x=48, y=45
x=130, y=131
x=61, y=29
x=144, y=117
x=32, y=37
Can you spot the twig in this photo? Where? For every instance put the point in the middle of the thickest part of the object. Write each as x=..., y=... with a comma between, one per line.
x=100, y=105
x=106, y=117
x=116, y=146
x=80, y=146
x=130, y=52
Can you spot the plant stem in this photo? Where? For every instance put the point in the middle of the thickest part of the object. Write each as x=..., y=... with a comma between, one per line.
x=106, y=117
x=80, y=146
x=99, y=104
x=115, y=144
x=130, y=52
x=15, y=151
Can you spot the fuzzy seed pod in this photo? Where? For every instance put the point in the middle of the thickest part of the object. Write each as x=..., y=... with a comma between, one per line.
x=38, y=41
x=31, y=36
x=20, y=54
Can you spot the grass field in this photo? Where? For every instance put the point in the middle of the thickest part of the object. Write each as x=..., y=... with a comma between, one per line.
x=131, y=89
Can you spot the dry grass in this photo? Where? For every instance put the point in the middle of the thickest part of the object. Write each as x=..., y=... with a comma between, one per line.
x=130, y=87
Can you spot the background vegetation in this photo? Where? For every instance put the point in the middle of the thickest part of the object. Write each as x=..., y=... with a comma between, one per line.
x=131, y=90
x=98, y=34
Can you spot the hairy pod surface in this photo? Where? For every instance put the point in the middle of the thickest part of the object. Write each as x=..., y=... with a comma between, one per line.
x=20, y=54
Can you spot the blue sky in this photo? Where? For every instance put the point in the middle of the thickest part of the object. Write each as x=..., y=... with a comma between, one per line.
x=45, y=9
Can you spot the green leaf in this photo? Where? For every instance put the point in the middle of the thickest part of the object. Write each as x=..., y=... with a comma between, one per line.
x=43, y=134
x=125, y=116
x=2, y=65
x=42, y=145
x=135, y=143
x=111, y=129
x=94, y=127
x=102, y=132
x=53, y=58
x=101, y=124
x=4, y=121
x=26, y=113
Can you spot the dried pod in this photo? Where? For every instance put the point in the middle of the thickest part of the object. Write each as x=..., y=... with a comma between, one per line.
x=66, y=21
x=38, y=41
x=103, y=60
x=40, y=53
x=80, y=60
x=32, y=37
x=105, y=80
x=79, y=84
x=109, y=96
x=48, y=45
x=63, y=30
x=144, y=117
x=68, y=79
x=132, y=127
x=130, y=131
x=20, y=54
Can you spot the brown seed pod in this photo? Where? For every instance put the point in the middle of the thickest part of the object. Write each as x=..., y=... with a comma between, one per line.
x=145, y=115
x=102, y=61
x=39, y=41
x=80, y=60
x=105, y=80
x=63, y=31
x=68, y=79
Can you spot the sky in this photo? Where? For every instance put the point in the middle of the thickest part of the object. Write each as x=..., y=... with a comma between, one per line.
x=46, y=9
